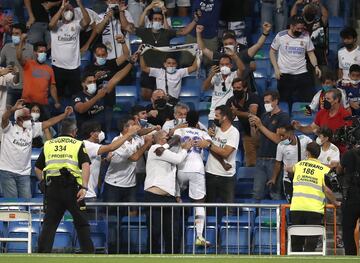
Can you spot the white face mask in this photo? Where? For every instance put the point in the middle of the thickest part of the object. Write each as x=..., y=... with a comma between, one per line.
x=157, y=25
x=101, y=136
x=181, y=121
x=268, y=107
x=91, y=88
x=318, y=141
x=27, y=124
x=171, y=70
x=225, y=70
x=230, y=47
x=113, y=5
x=35, y=116
x=355, y=82
x=68, y=15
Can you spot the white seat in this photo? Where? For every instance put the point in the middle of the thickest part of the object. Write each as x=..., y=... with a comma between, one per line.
x=307, y=230
x=11, y=216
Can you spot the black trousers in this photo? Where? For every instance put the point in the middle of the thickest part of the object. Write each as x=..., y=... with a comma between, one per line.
x=59, y=198
x=164, y=226
x=350, y=215
x=68, y=81
x=301, y=243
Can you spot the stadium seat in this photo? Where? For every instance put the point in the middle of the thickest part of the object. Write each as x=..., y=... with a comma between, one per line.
x=133, y=237
x=210, y=234
x=126, y=97
x=284, y=106
x=178, y=41
x=235, y=239
x=19, y=229
x=85, y=60
x=336, y=22
x=273, y=83
x=298, y=109
x=263, y=64
x=64, y=237
x=98, y=230
x=190, y=92
x=179, y=21
x=261, y=80
x=265, y=240
x=245, y=173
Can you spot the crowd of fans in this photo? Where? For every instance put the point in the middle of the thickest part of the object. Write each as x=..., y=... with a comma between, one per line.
x=42, y=76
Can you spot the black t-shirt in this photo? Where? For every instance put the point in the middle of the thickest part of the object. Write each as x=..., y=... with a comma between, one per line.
x=83, y=157
x=163, y=115
x=40, y=14
x=96, y=112
x=319, y=34
x=251, y=99
x=350, y=161
x=267, y=147
x=162, y=38
x=235, y=10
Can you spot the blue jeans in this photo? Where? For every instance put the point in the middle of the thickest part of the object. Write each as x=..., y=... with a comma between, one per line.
x=277, y=19
x=15, y=185
x=264, y=173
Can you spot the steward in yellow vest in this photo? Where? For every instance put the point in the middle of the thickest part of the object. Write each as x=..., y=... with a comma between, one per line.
x=309, y=191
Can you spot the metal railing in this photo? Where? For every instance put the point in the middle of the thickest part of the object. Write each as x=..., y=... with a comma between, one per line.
x=158, y=228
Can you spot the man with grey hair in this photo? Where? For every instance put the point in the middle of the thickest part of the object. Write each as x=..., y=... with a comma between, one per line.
x=15, y=157
x=160, y=186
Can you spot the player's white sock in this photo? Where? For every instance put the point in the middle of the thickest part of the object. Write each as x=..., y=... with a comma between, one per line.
x=199, y=220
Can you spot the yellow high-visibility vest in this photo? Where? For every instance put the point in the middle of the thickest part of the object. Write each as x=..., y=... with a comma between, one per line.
x=308, y=193
x=62, y=152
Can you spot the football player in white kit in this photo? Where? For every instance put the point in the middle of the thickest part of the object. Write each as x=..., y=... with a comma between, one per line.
x=191, y=172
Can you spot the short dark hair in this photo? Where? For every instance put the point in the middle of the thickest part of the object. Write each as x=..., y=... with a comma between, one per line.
x=314, y=149
x=336, y=94
x=225, y=56
x=326, y=132
x=273, y=93
x=136, y=109
x=287, y=127
x=192, y=118
x=348, y=32
x=225, y=111
x=170, y=56
x=229, y=34
x=244, y=82
x=88, y=127
x=39, y=44
x=67, y=126
x=327, y=74
x=122, y=123
x=152, y=13
x=86, y=75
x=20, y=26
x=294, y=20
x=100, y=45
x=354, y=68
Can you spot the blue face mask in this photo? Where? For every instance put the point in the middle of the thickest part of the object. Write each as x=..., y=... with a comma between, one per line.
x=15, y=39
x=100, y=61
x=326, y=88
x=41, y=57
x=286, y=142
x=143, y=122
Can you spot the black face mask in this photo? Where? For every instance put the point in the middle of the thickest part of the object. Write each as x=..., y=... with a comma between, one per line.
x=239, y=94
x=349, y=46
x=297, y=33
x=217, y=122
x=160, y=103
x=327, y=105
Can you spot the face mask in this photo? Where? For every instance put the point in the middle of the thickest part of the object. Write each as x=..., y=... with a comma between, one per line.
x=91, y=88
x=230, y=47
x=354, y=82
x=101, y=136
x=113, y=5
x=327, y=105
x=15, y=40
x=217, y=122
x=349, y=46
x=268, y=107
x=326, y=88
x=143, y=122
x=239, y=94
x=68, y=15
x=160, y=103
x=35, y=116
x=225, y=70
x=27, y=124
x=318, y=141
x=180, y=121
x=297, y=33
x=41, y=58
x=157, y=25
x=171, y=70
x=286, y=142
x=100, y=61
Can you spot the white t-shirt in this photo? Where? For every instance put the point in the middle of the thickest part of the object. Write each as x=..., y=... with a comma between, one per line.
x=92, y=150
x=94, y=17
x=331, y=155
x=314, y=105
x=194, y=160
x=346, y=59
x=288, y=154
x=173, y=80
x=168, y=125
x=110, y=31
x=122, y=171
x=220, y=97
x=5, y=81
x=291, y=52
x=231, y=138
x=65, y=45
x=16, y=146
x=161, y=170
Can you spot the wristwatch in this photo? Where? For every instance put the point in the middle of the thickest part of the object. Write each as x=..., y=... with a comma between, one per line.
x=84, y=187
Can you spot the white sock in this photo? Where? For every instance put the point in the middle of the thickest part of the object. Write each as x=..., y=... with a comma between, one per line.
x=199, y=220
